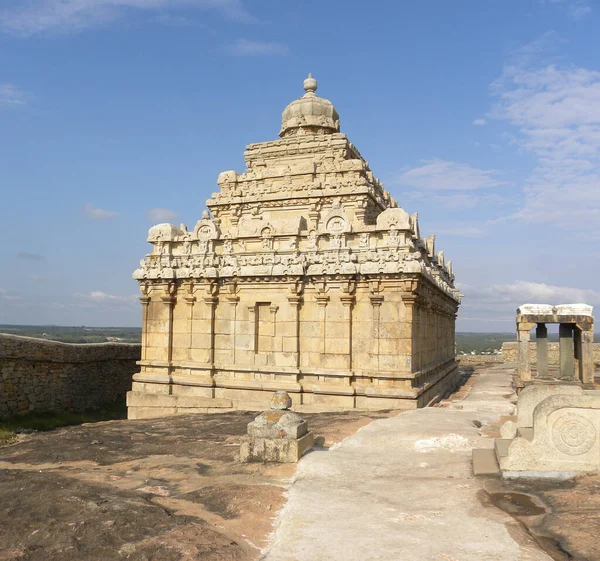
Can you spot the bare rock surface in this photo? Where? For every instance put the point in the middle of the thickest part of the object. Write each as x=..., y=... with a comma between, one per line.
x=157, y=489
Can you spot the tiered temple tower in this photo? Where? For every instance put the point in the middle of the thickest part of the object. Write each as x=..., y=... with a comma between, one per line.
x=304, y=275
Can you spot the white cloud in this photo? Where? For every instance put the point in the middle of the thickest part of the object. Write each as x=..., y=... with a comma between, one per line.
x=244, y=47
x=32, y=17
x=160, y=215
x=11, y=96
x=7, y=296
x=479, y=122
x=556, y=111
x=98, y=299
x=98, y=213
x=27, y=256
x=457, y=199
x=577, y=9
x=442, y=175
x=499, y=301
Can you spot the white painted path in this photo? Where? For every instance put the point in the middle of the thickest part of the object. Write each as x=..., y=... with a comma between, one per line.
x=402, y=489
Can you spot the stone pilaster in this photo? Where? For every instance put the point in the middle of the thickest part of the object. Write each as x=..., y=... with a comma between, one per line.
x=211, y=301
x=145, y=301
x=348, y=303
x=322, y=301
x=295, y=302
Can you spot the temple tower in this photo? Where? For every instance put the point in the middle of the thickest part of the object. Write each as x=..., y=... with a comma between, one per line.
x=304, y=275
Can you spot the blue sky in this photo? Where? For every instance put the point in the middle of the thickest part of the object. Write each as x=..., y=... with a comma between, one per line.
x=481, y=115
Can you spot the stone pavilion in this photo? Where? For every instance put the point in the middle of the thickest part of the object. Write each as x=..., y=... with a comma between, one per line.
x=303, y=276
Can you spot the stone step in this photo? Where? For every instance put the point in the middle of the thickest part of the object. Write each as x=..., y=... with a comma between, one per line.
x=501, y=446
x=485, y=462
x=525, y=432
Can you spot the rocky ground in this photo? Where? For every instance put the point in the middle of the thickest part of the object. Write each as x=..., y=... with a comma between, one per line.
x=160, y=490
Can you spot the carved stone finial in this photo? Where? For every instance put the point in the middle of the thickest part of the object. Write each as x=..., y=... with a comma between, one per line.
x=281, y=401
x=310, y=85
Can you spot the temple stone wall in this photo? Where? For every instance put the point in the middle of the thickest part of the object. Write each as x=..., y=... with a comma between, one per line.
x=510, y=351
x=40, y=375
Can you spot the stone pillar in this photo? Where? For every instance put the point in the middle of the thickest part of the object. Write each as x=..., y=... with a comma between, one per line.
x=524, y=360
x=586, y=359
x=541, y=335
x=577, y=353
x=567, y=362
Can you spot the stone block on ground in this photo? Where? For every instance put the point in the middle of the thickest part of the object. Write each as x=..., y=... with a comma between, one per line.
x=277, y=435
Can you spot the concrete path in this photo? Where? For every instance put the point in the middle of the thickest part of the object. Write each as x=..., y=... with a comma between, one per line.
x=402, y=489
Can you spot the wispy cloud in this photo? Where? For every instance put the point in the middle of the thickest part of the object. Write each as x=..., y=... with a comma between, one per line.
x=576, y=9
x=462, y=231
x=98, y=299
x=244, y=47
x=12, y=96
x=443, y=175
x=159, y=215
x=7, y=296
x=555, y=109
x=98, y=213
x=33, y=17
x=504, y=297
x=479, y=122
x=27, y=256
x=458, y=199
x=175, y=20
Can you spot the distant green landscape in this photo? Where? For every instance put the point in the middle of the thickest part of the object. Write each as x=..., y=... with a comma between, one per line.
x=466, y=343
x=81, y=334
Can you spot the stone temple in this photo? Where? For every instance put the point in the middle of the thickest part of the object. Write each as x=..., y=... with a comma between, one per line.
x=303, y=275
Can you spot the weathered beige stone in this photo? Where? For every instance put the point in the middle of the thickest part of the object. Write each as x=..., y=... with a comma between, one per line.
x=304, y=270
x=277, y=435
x=529, y=398
x=576, y=337
x=565, y=437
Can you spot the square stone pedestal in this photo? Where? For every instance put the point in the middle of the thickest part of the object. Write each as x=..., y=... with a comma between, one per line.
x=281, y=450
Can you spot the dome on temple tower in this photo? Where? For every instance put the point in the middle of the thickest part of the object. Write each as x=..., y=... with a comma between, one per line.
x=310, y=114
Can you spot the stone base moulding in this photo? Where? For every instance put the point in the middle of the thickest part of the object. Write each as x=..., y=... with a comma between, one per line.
x=160, y=394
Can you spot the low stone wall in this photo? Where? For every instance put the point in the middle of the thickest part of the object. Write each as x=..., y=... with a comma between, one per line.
x=478, y=359
x=40, y=375
x=510, y=352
